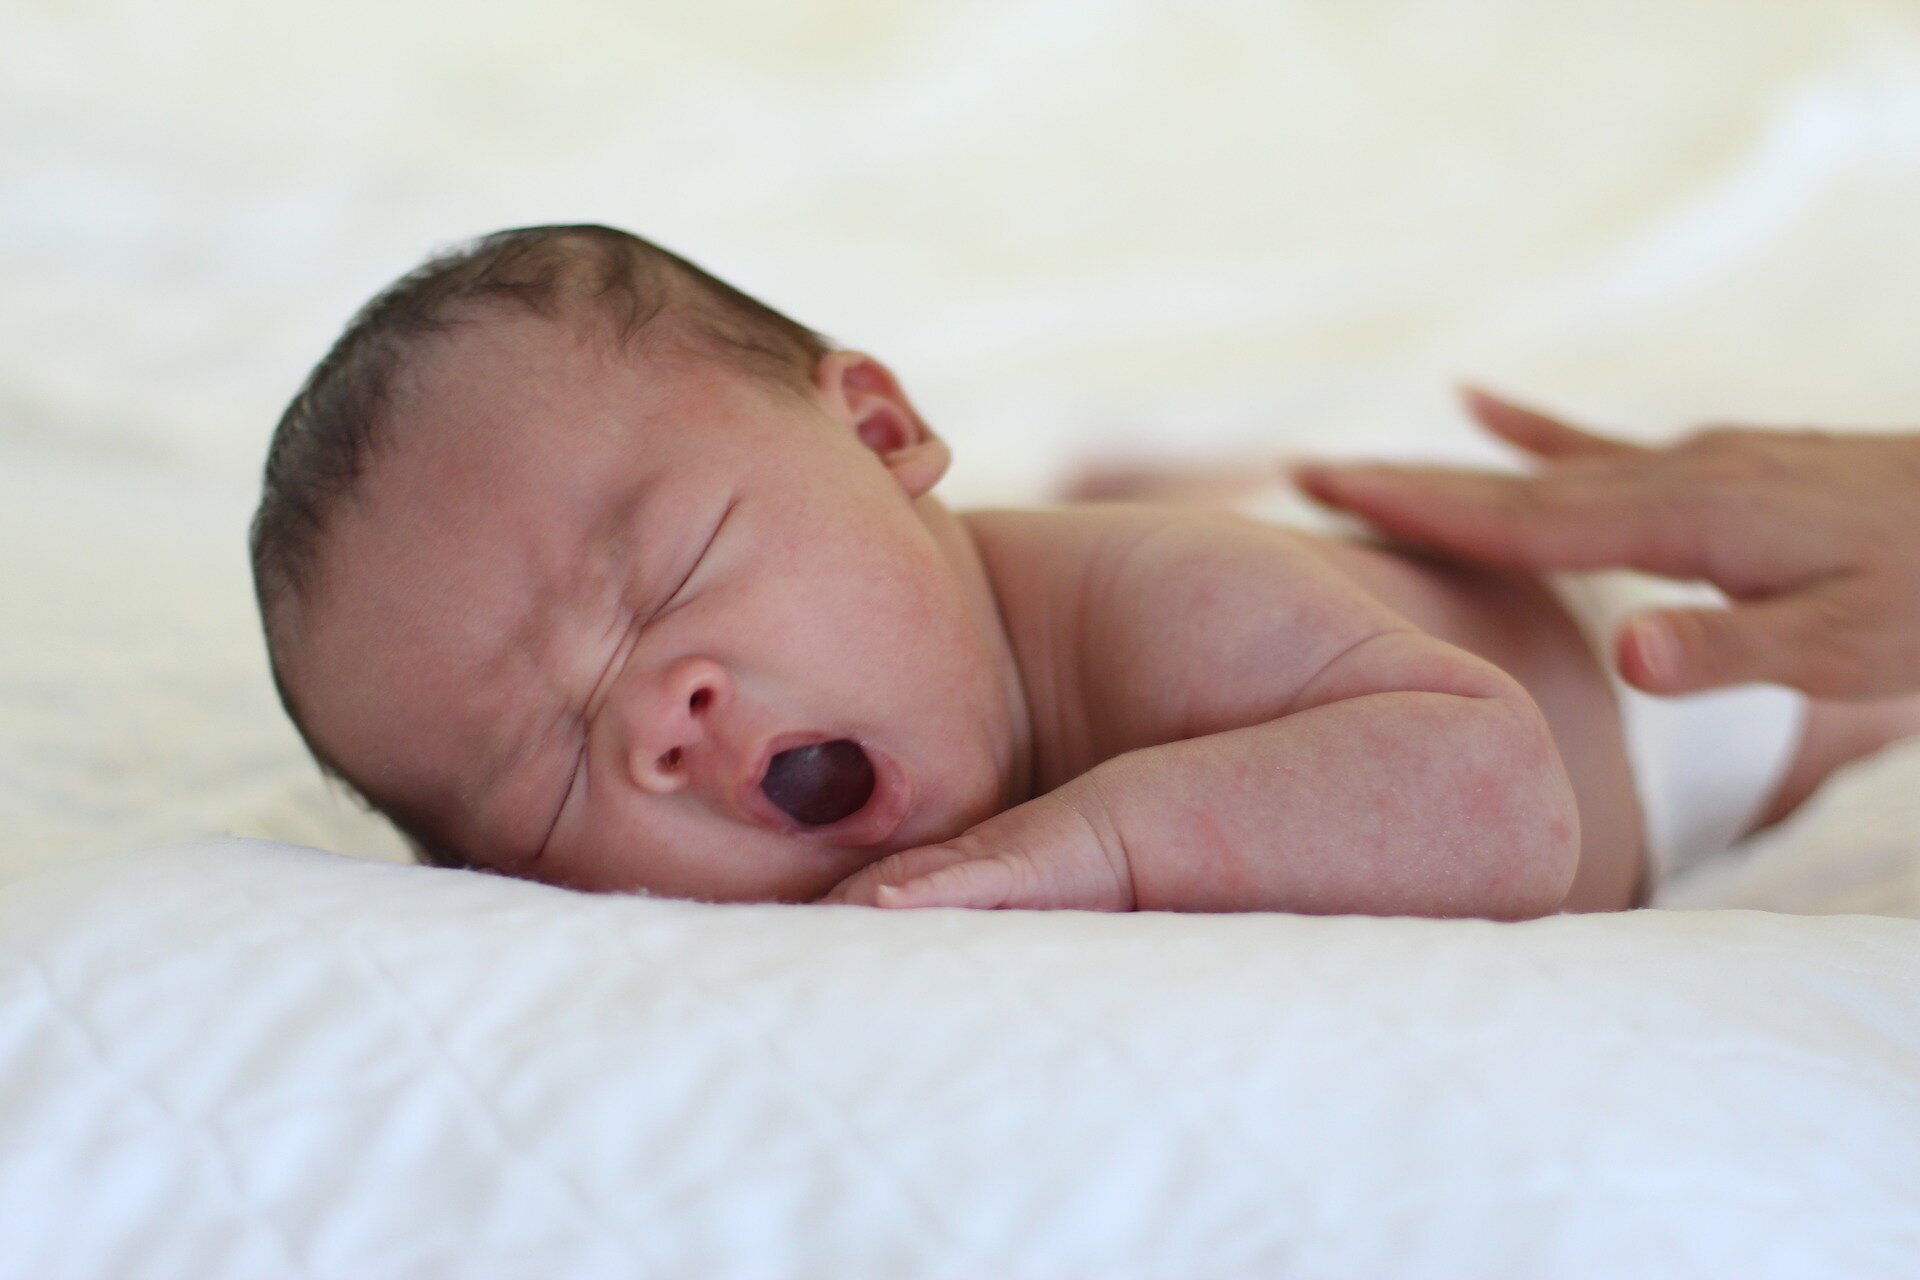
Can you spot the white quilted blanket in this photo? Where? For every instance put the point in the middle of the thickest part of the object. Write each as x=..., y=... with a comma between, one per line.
x=1200, y=228
x=251, y=1060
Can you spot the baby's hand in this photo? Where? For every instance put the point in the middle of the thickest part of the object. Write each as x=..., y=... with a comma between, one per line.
x=1054, y=852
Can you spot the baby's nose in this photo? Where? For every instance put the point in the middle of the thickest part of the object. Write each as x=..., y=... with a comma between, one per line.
x=670, y=730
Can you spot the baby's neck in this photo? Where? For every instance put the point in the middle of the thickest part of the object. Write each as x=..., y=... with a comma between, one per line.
x=984, y=584
x=1036, y=567
x=1021, y=583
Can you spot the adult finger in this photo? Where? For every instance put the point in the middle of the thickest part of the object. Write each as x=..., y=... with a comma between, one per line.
x=1565, y=519
x=1536, y=432
x=1799, y=640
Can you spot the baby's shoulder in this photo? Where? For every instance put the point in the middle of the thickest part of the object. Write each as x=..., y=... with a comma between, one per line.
x=1167, y=568
x=1185, y=558
x=1223, y=617
x=1107, y=538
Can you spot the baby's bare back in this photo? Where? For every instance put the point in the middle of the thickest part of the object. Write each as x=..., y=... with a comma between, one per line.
x=1256, y=581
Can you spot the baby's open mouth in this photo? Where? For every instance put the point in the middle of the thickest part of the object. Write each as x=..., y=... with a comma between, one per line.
x=821, y=782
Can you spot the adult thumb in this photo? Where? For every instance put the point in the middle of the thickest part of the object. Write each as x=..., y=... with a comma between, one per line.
x=1684, y=650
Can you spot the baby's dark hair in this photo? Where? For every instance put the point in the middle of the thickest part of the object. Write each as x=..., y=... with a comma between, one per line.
x=616, y=287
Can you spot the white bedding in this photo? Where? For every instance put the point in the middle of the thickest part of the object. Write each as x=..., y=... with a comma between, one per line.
x=1172, y=229
x=249, y=1060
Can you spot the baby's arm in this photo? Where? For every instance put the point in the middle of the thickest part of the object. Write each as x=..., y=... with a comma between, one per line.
x=1414, y=779
x=1391, y=773
x=1419, y=781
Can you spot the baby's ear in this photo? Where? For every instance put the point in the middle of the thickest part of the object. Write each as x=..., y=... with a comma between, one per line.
x=865, y=395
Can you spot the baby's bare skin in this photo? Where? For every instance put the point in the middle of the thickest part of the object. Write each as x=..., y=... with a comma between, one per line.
x=1242, y=725
x=1509, y=619
x=580, y=601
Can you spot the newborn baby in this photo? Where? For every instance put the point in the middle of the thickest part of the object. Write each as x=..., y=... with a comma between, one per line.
x=584, y=567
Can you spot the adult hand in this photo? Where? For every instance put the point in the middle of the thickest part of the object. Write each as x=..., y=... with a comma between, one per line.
x=1814, y=537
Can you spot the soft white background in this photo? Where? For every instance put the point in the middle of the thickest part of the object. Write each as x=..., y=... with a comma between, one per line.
x=1172, y=228
x=1071, y=226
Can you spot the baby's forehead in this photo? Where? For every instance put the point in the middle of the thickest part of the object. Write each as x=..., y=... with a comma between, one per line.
x=520, y=447
x=499, y=369
x=526, y=384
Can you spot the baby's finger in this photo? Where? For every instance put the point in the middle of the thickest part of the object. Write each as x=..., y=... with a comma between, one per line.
x=895, y=868
x=1538, y=434
x=983, y=884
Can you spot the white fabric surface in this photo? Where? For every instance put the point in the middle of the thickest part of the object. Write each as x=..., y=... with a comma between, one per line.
x=252, y=1061
x=1705, y=765
x=1165, y=229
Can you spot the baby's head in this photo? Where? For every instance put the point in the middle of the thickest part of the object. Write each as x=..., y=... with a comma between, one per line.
x=583, y=566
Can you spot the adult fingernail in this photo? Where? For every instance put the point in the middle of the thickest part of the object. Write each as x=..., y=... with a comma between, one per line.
x=1656, y=646
x=1306, y=474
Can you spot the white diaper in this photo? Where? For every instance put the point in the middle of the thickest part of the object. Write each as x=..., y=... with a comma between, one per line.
x=1704, y=764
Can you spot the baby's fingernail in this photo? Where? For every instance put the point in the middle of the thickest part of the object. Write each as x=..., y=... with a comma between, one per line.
x=887, y=895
